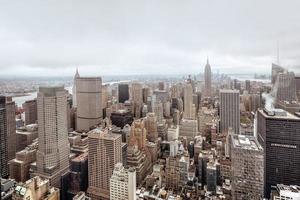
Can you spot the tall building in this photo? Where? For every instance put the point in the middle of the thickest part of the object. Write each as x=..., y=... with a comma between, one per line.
x=30, y=109
x=11, y=129
x=188, y=128
x=89, y=106
x=297, y=80
x=123, y=90
x=136, y=97
x=207, y=82
x=138, y=134
x=278, y=134
x=284, y=88
x=247, y=164
x=211, y=177
x=275, y=70
x=248, y=86
x=74, y=90
x=53, y=151
x=230, y=110
x=189, y=107
x=104, y=152
x=151, y=127
x=3, y=138
x=123, y=183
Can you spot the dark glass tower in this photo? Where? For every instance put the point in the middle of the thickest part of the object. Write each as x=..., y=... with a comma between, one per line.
x=123, y=93
x=278, y=132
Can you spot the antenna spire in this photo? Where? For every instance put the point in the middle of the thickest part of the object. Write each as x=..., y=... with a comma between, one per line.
x=277, y=52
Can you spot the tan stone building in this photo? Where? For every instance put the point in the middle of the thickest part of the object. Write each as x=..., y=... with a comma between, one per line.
x=104, y=152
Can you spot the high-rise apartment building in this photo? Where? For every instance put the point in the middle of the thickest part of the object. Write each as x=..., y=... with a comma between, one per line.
x=207, y=80
x=278, y=133
x=89, y=102
x=53, y=151
x=104, y=152
x=3, y=138
x=230, y=110
x=247, y=164
x=123, y=183
x=123, y=90
x=30, y=109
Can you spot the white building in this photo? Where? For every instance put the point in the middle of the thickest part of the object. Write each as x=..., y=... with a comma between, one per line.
x=286, y=192
x=123, y=183
x=173, y=133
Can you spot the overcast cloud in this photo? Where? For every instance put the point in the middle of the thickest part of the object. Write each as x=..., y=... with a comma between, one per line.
x=147, y=36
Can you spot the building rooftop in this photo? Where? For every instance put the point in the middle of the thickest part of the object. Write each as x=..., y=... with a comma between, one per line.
x=245, y=142
x=98, y=133
x=277, y=114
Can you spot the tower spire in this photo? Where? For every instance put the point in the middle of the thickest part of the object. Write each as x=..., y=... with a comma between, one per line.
x=207, y=60
x=277, y=52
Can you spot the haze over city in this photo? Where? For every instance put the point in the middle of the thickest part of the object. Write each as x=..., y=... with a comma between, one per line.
x=51, y=38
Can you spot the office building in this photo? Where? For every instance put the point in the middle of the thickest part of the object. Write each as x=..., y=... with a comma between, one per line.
x=11, y=128
x=138, y=134
x=123, y=90
x=229, y=110
x=188, y=128
x=3, y=137
x=284, y=88
x=20, y=166
x=89, y=102
x=247, y=164
x=121, y=117
x=151, y=127
x=123, y=183
x=211, y=177
x=104, y=152
x=136, y=98
x=207, y=80
x=189, y=107
x=297, y=80
x=74, y=90
x=30, y=109
x=278, y=134
x=53, y=150
x=276, y=69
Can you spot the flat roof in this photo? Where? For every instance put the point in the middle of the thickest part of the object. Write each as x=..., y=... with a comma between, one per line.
x=287, y=116
x=245, y=142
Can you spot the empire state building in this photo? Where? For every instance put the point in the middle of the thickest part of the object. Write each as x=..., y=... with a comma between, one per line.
x=207, y=77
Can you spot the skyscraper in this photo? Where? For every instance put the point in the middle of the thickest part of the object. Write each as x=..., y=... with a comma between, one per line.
x=104, y=152
x=207, y=77
x=136, y=97
x=297, y=80
x=230, y=110
x=189, y=107
x=3, y=138
x=138, y=134
x=123, y=183
x=123, y=93
x=30, y=109
x=275, y=70
x=278, y=133
x=11, y=129
x=74, y=91
x=151, y=127
x=285, y=87
x=247, y=164
x=89, y=106
x=53, y=150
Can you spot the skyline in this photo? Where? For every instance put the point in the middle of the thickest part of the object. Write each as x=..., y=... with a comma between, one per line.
x=141, y=38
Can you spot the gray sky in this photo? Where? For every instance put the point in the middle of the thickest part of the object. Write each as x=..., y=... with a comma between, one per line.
x=52, y=37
